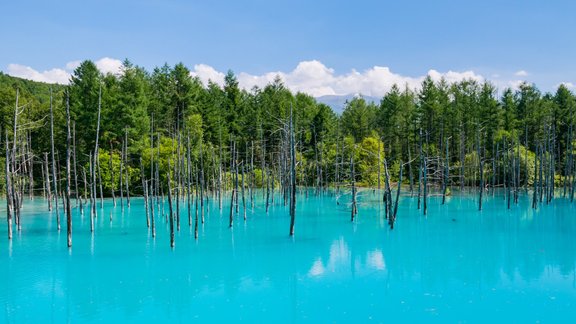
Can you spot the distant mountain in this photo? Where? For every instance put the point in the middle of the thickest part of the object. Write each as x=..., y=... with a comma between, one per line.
x=337, y=103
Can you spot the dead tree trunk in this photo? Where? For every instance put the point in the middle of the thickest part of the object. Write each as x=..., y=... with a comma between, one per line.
x=196, y=205
x=43, y=181
x=425, y=177
x=232, y=167
x=178, y=177
x=152, y=182
x=76, y=190
x=535, y=184
x=145, y=191
x=84, y=177
x=188, y=177
x=421, y=170
x=95, y=163
x=68, y=171
x=379, y=167
x=252, y=176
x=292, y=174
x=111, y=166
x=201, y=183
x=446, y=174
x=55, y=182
x=120, y=175
x=14, y=175
x=30, y=158
x=92, y=196
x=48, y=185
x=353, y=179
x=9, y=201
x=234, y=175
x=100, y=184
x=171, y=216
x=127, y=170
x=410, y=175
x=480, y=170
x=243, y=192
x=392, y=218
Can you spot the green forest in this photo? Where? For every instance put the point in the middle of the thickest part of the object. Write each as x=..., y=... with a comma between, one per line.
x=463, y=134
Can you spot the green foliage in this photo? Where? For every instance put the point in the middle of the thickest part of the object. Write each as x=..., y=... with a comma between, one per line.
x=457, y=117
x=369, y=152
x=110, y=169
x=358, y=118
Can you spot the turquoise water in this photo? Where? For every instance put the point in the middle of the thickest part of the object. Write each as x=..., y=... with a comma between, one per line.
x=454, y=265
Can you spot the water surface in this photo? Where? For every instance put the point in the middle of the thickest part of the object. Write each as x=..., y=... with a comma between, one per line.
x=454, y=265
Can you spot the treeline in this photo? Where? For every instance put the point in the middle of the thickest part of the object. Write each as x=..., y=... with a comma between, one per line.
x=462, y=134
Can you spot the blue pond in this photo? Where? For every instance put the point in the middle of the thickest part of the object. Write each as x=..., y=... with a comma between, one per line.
x=454, y=265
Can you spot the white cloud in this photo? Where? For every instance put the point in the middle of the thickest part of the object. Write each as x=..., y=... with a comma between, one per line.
x=207, y=73
x=316, y=79
x=108, y=65
x=311, y=77
x=568, y=85
x=49, y=76
x=521, y=73
x=61, y=75
x=452, y=77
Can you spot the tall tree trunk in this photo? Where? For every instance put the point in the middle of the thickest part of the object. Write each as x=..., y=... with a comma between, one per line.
x=68, y=171
x=92, y=196
x=535, y=184
x=145, y=191
x=243, y=192
x=425, y=177
x=76, y=190
x=189, y=178
x=111, y=166
x=379, y=166
x=410, y=174
x=201, y=182
x=171, y=216
x=121, y=175
x=152, y=192
x=421, y=171
x=9, y=200
x=127, y=170
x=196, y=204
x=96, y=155
x=236, y=179
x=14, y=174
x=54, y=180
x=100, y=184
x=252, y=176
x=178, y=177
x=48, y=185
x=43, y=181
x=232, y=200
x=387, y=192
x=462, y=156
x=292, y=174
x=480, y=170
x=392, y=219
x=446, y=174
x=353, y=179
x=84, y=177
x=30, y=159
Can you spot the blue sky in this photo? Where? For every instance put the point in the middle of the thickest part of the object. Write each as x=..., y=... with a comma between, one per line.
x=501, y=41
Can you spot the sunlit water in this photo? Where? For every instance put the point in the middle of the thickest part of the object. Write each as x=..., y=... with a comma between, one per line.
x=454, y=265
